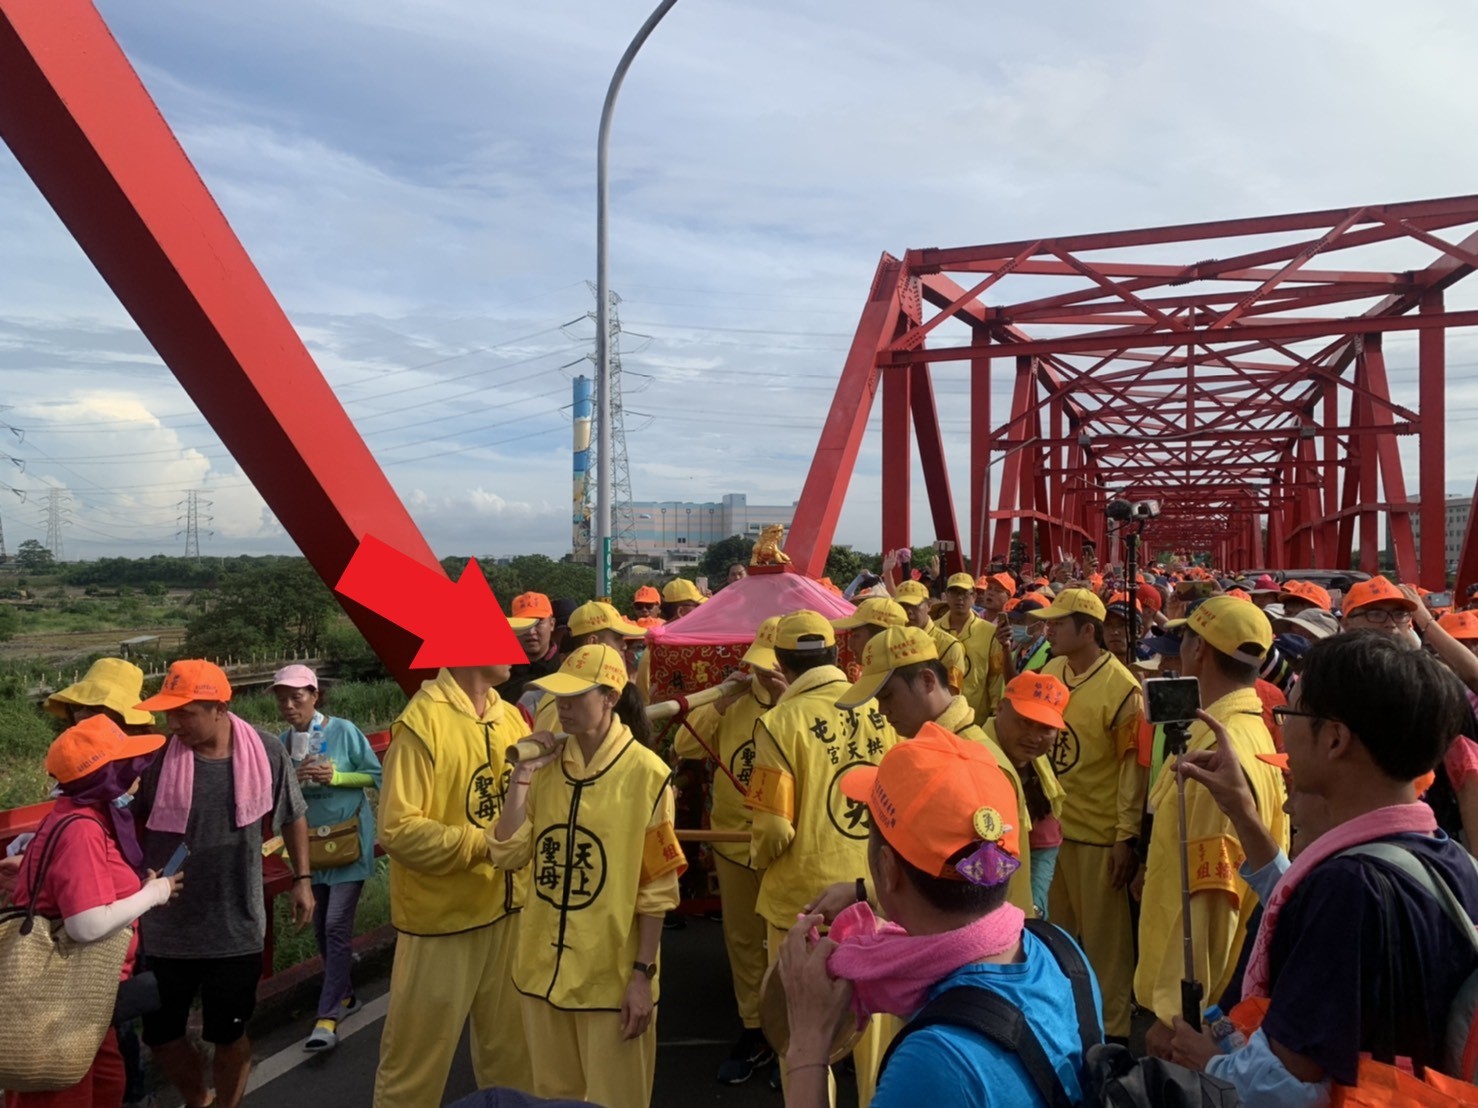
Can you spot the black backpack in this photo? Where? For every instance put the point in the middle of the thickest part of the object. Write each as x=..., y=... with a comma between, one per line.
x=1111, y=1075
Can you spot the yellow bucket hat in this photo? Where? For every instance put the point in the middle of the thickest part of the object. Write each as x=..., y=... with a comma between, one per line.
x=112, y=683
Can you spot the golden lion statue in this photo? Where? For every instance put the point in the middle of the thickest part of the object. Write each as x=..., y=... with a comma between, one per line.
x=767, y=550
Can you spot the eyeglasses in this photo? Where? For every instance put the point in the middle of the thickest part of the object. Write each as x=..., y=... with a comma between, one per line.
x=1281, y=714
x=1378, y=616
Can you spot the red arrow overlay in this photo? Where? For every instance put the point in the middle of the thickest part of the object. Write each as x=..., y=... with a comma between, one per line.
x=459, y=624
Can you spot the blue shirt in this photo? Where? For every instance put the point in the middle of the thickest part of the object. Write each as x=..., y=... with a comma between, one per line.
x=347, y=747
x=944, y=1066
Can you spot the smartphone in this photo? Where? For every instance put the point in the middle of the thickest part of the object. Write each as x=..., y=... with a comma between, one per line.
x=1439, y=600
x=702, y=584
x=176, y=860
x=1171, y=699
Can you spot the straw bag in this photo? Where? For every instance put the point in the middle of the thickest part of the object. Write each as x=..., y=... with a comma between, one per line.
x=57, y=994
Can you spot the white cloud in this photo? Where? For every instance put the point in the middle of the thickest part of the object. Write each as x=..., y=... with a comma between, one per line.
x=416, y=184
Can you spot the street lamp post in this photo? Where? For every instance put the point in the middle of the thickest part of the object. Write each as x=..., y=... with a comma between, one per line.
x=604, y=476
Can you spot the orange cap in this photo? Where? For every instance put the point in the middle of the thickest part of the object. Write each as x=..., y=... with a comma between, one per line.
x=935, y=796
x=528, y=609
x=1462, y=626
x=1150, y=598
x=189, y=679
x=647, y=595
x=1374, y=591
x=650, y=621
x=92, y=744
x=1239, y=594
x=1279, y=759
x=1307, y=590
x=1039, y=697
x=1003, y=581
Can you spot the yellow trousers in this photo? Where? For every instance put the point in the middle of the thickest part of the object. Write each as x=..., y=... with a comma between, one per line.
x=1085, y=904
x=744, y=934
x=867, y=1055
x=581, y=1056
x=437, y=984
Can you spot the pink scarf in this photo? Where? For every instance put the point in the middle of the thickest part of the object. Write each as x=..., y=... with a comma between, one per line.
x=250, y=770
x=1379, y=824
x=892, y=971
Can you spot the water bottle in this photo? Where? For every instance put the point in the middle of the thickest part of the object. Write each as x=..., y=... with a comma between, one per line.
x=1223, y=1030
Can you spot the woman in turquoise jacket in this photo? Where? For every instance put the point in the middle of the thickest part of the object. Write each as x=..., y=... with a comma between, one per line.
x=335, y=765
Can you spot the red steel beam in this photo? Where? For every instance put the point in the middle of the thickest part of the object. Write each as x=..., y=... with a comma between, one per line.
x=1099, y=343
x=1432, y=448
x=826, y=485
x=1446, y=207
x=936, y=471
x=85, y=130
x=897, y=465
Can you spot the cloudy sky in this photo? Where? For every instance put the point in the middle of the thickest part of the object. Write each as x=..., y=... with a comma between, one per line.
x=416, y=183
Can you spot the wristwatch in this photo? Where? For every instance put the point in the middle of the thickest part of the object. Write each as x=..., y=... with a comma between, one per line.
x=648, y=968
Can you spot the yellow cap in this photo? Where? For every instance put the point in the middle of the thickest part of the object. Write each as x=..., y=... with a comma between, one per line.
x=761, y=654
x=811, y=626
x=911, y=593
x=1236, y=628
x=879, y=611
x=682, y=591
x=587, y=668
x=960, y=581
x=597, y=615
x=1069, y=601
x=886, y=651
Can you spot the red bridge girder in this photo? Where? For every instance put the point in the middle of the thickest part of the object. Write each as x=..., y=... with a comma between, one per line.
x=1248, y=393
x=82, y=125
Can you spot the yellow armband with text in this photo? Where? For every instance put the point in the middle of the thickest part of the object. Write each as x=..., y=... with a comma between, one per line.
x=772, y=791
x=1213, y=864
x=661, y=853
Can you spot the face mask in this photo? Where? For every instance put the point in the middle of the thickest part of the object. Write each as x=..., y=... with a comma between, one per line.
x=121, y=802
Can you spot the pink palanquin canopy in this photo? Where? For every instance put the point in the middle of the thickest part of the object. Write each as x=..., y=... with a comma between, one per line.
x=707, y=644
x=736, y=610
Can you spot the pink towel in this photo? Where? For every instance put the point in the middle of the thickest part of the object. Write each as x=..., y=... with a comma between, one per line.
x=892, y=971
x=250, y=770
x=1379, y=824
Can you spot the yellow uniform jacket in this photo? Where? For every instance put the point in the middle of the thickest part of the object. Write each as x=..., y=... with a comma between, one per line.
x=731, y=737
x=601, y=851
x=1220, y=900
x=807, y=834
x=444, y=782
x=985, y=668
x=1095, y=758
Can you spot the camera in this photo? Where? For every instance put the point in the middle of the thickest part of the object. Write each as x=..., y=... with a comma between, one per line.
x=1126, y=511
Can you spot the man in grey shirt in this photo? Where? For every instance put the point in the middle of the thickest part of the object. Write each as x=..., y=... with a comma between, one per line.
x=216, y=781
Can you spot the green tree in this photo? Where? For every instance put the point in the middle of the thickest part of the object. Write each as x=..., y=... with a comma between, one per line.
x=282, y=606
x=33, y=557
x=842, y=564
x=721, y=555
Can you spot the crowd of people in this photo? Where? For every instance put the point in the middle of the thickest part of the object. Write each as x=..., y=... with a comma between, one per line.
x=947, y=812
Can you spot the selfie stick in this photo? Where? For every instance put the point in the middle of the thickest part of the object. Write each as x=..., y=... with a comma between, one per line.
x=1177, y=737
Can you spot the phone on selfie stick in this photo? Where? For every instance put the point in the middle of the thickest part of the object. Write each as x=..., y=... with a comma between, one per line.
x=1171, y=702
